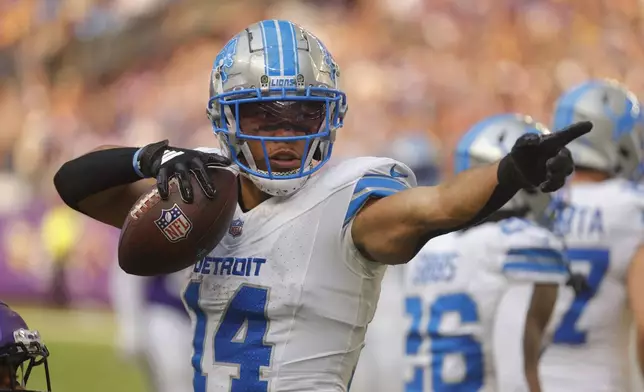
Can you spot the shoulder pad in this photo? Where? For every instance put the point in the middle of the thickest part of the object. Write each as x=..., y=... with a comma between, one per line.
x=351, y=170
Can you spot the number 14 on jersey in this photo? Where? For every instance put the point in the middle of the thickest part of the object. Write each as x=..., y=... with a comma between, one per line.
x=239, y=339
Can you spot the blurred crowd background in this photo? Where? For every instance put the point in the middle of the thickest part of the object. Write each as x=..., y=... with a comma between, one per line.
x=75, y=74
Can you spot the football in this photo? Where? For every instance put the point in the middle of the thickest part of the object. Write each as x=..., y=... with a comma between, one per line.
x=165, y=236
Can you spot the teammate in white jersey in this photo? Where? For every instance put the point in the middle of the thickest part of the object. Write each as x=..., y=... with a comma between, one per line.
x=153, y=327
x=603, y=229
x=283, y=302
x=456, y=283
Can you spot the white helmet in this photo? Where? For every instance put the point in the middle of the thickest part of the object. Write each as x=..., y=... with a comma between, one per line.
x=280, y=66
x=490, y=140
x=615, y=144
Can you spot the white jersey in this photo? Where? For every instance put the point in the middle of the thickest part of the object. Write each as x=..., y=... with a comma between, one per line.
x=602, y=228
x=283, y=302
x=454, y=287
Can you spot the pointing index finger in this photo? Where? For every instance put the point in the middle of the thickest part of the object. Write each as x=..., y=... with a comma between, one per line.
x=561, y=138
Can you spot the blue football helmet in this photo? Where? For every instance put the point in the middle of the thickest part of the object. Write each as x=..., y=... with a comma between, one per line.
x=615, y=146
x=490, y=140
x=21, y=349
x=419, y=154
x=278, y=70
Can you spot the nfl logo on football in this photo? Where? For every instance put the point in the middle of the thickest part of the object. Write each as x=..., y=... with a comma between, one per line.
x=174, y=224
x=236, y=227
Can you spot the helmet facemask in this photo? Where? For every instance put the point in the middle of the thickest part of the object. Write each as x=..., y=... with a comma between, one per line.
x=630, y=153
x=310, y=120
x=544, y=208
x=18, y=360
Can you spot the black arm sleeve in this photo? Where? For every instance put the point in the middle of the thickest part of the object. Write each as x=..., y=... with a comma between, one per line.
x=510, y=182
x=95, y=172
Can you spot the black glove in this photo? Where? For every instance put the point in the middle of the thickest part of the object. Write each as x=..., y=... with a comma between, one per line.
x=542, y=161
x=159, y=160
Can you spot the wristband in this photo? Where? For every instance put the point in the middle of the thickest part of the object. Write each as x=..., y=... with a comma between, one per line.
x=136, y=163
x=508, y=176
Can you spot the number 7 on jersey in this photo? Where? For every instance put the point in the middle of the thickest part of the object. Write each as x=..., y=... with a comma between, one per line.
x=567, y=332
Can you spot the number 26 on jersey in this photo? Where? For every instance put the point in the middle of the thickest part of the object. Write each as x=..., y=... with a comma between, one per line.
x=441, y=346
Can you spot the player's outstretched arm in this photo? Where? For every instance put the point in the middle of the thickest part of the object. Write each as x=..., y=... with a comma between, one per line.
x=104, y=183
x=635, y=282
x=393, y=229
x=542, y=304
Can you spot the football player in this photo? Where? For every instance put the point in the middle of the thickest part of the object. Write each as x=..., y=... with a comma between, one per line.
x=603, y=228
x=455, y=284
x=154, y=326
x=316, y=237
x=381, y=361
x=21, y=350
